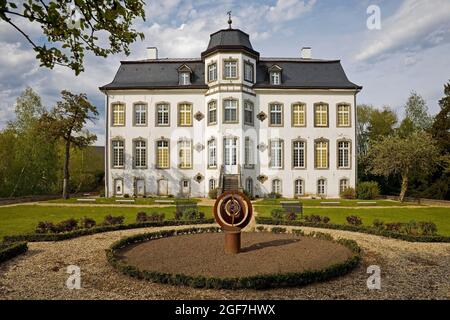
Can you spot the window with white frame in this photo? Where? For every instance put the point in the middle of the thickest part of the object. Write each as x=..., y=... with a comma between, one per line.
x=321, y=115
x=212, y=184
x=298, y=115
x=162, y=154
x=230, y=111
x=185, y=114
x=276, y=114
x=185, y=78
x=118, y=114
x=140, y=154
x=276, y=186
x=212, y=72
x=140, y=114
x=344, y=154
x=249, y=186
x=276, y=154
x=118, y=147
x=185, y=154
x=212, y=112
x=299, y=187
x=343, y=184
x=162, y=114
x=343, y=115
x=248, y=152
x=299, y=154
x=230, y=69
x=321, y=154
x=212, y=153
x=248, y=71
x=248, y=112
x=275, y=77
x=321, y=187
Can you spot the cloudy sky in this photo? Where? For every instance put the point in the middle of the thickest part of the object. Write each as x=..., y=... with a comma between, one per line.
x=411, y=51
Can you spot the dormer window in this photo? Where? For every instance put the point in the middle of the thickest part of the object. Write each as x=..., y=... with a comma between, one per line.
x=185, y=78
x=184, y=75
x=275, y=74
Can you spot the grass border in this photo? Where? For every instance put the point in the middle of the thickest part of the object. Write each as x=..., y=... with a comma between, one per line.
x=37, y=237
x=361, y=229
x=12, y=250
x=291, y=279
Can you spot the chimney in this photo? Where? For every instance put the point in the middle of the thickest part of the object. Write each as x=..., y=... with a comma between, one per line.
x=306, y=53
x=152, y=53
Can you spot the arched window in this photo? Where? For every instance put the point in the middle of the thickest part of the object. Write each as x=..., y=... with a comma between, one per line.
x=276, y=186
x=162, y=154
x=249, y=186
x=343, y=184
x=299, y=188
x=344, y=154
x=321, y=187
x=140, y=153
x=321, y=154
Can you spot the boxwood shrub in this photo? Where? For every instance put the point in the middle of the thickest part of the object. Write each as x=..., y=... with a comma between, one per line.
x=35, y=237
x=11, y=250
x=264, y=281
x=389, y=233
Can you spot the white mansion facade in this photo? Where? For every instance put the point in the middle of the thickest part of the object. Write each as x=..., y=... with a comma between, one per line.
x=177, y=126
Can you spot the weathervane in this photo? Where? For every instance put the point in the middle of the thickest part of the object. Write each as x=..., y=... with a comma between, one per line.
x=229, y=19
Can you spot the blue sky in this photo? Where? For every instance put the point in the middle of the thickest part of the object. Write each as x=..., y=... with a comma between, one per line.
x=411, y=51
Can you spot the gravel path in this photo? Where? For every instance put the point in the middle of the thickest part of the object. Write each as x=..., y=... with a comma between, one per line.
x=408, y=271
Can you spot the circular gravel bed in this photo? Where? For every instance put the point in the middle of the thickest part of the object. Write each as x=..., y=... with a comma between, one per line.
x=262, y=253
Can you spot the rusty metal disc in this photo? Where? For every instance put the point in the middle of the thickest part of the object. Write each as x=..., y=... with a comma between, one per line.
x=233, y=210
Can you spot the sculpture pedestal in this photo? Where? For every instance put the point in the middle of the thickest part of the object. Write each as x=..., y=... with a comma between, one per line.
x=232, y=241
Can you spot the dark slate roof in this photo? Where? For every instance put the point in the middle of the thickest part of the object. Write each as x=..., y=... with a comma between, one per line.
x=229, y=39
x=154, y=74
x=304, y=73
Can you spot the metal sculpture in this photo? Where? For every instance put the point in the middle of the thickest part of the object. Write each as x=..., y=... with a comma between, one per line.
x=233, y=211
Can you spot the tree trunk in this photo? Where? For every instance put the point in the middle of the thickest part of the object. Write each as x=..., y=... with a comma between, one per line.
x=404, y=188
x=65, y=194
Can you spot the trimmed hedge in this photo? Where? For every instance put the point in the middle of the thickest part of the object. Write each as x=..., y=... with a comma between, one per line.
x=11, y=250
x=292, y=279
x=362, y=229
x=36, y=237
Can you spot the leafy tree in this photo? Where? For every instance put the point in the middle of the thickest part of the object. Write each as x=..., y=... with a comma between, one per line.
x=364, y=113
x=414, y=155
x=381, y=124
x=66, y=122
x=69, y=29
x=440, y=129
x=417, y=111
x=29, y=161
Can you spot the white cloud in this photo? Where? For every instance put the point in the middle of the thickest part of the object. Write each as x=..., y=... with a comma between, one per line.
x=417, y=24
x=286, y=10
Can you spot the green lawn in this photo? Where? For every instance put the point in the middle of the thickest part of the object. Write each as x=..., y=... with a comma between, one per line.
x=342, y=202
x=439, y=215
x=23, y=219
x=113, y=200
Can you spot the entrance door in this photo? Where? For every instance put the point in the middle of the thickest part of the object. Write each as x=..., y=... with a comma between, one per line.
x=185, y=187
x=140, y=187
x=163, y=187
x=118, y=187
x=230, y=155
